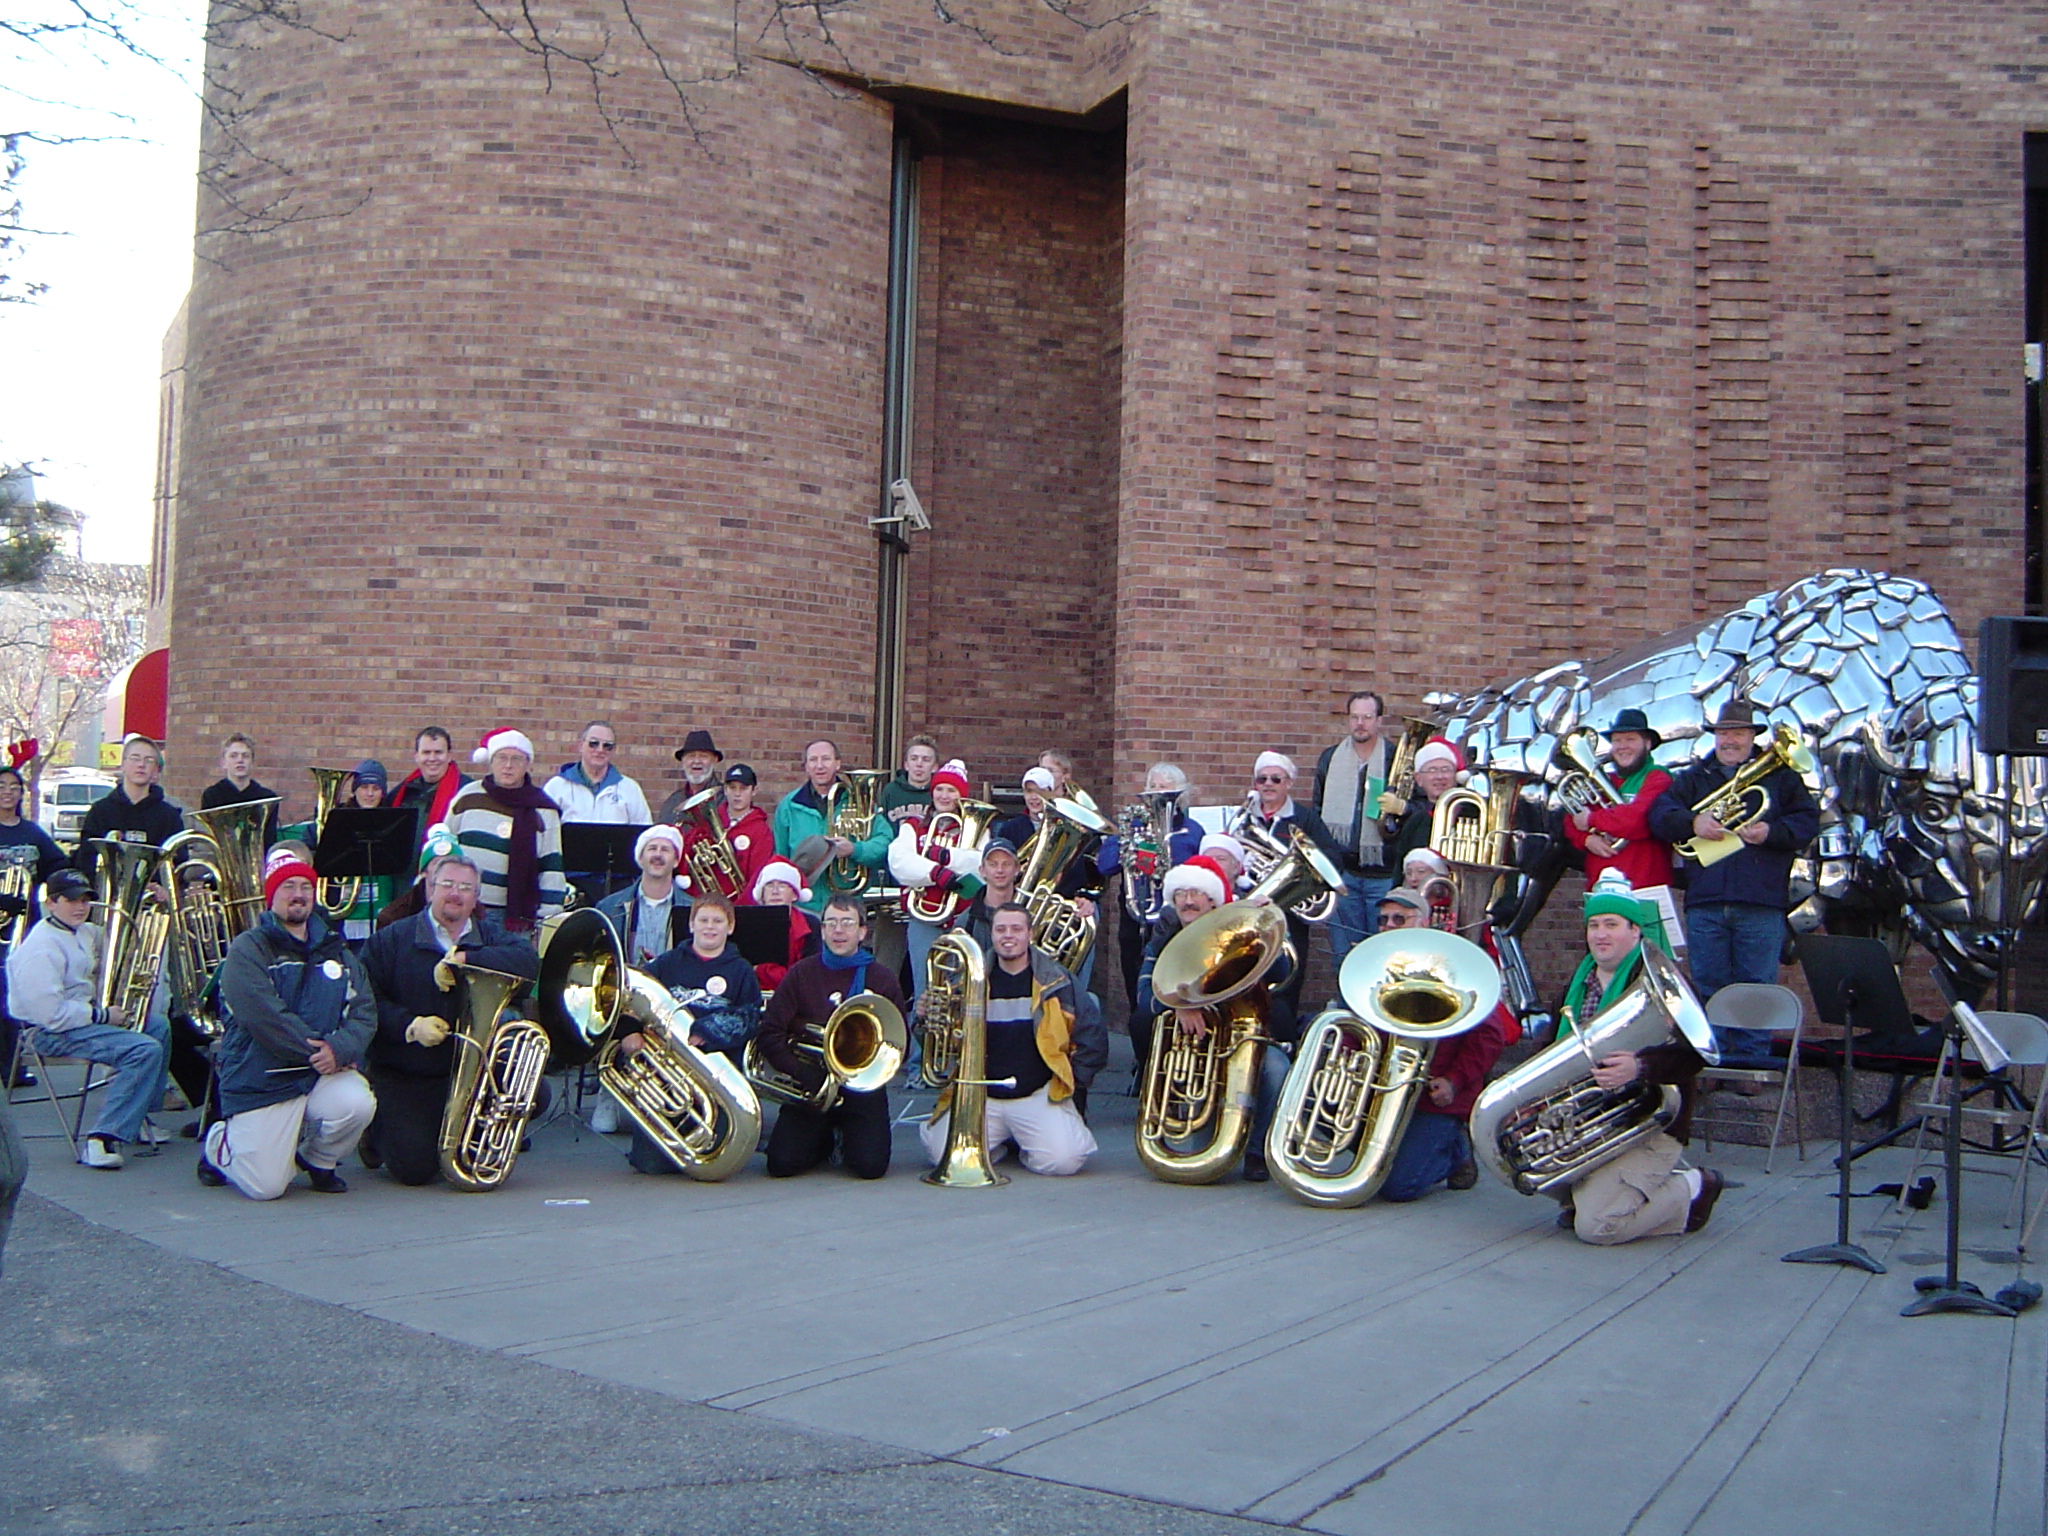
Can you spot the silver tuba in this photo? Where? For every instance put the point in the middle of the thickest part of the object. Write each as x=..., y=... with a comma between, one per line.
x=1144, y=846
x=1547, y=1123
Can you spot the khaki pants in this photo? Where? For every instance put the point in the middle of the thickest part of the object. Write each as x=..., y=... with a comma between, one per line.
x=255, y=1148
x=1641, y=1193
x=1051, y=1138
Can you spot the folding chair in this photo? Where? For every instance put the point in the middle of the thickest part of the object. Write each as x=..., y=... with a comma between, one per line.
x=25, y=1054
x=1758, y=1005
x=2024, y=1038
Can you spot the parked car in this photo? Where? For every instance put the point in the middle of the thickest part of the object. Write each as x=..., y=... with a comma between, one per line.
x=67, y=794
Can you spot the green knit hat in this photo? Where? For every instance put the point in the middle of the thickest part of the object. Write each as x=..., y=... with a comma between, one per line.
x=1612, y=897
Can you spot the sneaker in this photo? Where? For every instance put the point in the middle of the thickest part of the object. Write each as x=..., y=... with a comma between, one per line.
x=1464, y=1176
x=604, y=1119
x=149, y=1136
x=1711, y=1185
x=324, y=1180
x=98, y=1152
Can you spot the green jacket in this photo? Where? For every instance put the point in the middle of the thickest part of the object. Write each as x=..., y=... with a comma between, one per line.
x=798, y=815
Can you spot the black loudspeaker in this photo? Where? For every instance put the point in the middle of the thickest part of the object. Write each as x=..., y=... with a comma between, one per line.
x=2012, y=687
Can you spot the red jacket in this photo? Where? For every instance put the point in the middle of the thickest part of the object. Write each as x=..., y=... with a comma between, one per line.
x=1466, y=1059
x=753, y=844
x=803, y=938
x=1645, y=861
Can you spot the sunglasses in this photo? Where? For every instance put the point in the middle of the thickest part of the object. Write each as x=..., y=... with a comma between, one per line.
x=602, y=746
x=1270, y=778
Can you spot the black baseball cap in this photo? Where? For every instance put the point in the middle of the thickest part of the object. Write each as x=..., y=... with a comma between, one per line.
x=68, y=882
x=740, y=773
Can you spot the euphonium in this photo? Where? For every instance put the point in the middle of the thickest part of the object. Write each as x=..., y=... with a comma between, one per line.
x=330, y=786
x=967, y=829
x=960, y=973
x=1584, y=785
x=1400, y=788
x=199, y=925
x=1208, y=1083
x=1547, y=1123
x=1144, y=848
x=134, y=932
x=1357, y=1075
x=850, y=813
x=714, y=867
x=861, y=1046
x=499, y=1060
x=1057, y=926
x=1474, y=834
x=1743, y=798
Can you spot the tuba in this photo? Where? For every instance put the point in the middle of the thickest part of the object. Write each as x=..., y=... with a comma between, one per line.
x=850, y=813
x=1057, y=926
x=959, y=975
x=499, y=1060
x=1357, y=1074
x=224, y=899
x=1743, y=799
x=337, y=897
x=1400, y=788
x=1205, y=1088
x=134, y=930
x=967, y=829
x=861, y=1046
x=1474, y=833
x=1144, y=834
x=17, y=891
x=713, y=864
x=1296, y=875
x=1547, y=1123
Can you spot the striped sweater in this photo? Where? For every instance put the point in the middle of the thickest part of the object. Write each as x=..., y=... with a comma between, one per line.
x=484, y=830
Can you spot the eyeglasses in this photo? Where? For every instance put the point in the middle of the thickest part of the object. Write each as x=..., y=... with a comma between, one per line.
x=1270, y=778
x=602, y=746
x=842, y=922
x=454, y=885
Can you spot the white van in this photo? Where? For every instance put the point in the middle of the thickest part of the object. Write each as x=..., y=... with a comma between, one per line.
x=67, y=794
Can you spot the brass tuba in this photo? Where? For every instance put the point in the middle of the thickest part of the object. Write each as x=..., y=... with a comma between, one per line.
x=499, y=1060
x=1584, y=785
x=1205, y=1087
x=134, y=929
x=1547, y=1123
x=969, y=828
x=850, y=813
x=861, y=1046
x=1296, y=876
x=330, y=785
x=223, y=900
x=1357, y=1074
x=1057, y=926
x=1743, y=799
x=714, y=867
x=959, y=974
x=17, y=890
x=1474, y=833
x=1400, y=788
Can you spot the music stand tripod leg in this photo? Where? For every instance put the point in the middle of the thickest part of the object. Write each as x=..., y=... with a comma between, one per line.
x=1948, y=1291
x=1841, y=1250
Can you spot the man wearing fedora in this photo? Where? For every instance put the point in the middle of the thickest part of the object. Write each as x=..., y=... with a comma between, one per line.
x=1735, y=906
x=700, y=758
x=1619, y=836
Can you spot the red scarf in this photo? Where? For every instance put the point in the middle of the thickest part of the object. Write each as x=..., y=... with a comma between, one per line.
x=436, y=811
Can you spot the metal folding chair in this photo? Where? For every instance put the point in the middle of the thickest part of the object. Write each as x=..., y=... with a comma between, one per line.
x=1758, y=1005
x=25, y=1054
x=2024, y=1039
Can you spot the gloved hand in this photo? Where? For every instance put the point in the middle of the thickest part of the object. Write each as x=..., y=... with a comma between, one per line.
x=427, y=1030
x=444, y=975
x=942, y=856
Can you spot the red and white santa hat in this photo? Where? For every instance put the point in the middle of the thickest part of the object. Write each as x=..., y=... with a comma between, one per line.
x=660, y=832
x=954, y=773
x=1433, y=862
x=1439, y=750
x=494, y=741
x=787, y=873
x=1201, y=873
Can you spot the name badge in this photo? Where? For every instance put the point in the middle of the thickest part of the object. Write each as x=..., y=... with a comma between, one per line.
x=715, y=986
x=331, y=969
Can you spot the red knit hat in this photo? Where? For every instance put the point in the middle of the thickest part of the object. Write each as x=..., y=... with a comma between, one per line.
x=955, y=774
x=281, y=870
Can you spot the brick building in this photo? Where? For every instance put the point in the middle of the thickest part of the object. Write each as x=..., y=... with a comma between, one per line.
x=1242, y=353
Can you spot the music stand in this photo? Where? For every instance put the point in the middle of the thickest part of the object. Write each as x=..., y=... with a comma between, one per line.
x=1854, y=984
x=762, y=935
x=600, y=852
x=357, y=842
x=1949, y=1292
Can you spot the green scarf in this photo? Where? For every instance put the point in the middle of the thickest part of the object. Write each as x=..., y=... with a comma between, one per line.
x=1575, y=994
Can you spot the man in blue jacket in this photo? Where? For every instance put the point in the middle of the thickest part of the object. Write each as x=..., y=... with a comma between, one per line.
x=299, y=1017
x=1735, y=905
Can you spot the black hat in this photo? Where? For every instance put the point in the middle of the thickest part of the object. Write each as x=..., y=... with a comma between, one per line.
x=740, y=773
x=1002, y=844
x=698, y=741
x=1736, y=715
x=1634, y=720
x=68, y=882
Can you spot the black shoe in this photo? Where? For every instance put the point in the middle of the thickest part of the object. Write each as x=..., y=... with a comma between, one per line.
x=1255, y=1170
x=1464, y=1176
x=368, y=1155
x=209, y=1175
x=25, y=1080
x=1711, y=1185
x=324, y=1180
x=189, y=1130
x=1567, y=1218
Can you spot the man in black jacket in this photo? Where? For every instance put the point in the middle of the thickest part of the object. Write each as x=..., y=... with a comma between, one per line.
x=238, y=784
x=135, y=810
x=1737, y=896
x=411, y=1057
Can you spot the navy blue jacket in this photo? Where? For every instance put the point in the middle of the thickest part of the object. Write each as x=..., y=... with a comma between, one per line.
x=400, y=962
x=1759, y=875
x=278, y=993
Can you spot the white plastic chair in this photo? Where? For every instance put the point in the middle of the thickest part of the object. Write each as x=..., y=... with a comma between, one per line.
x=2024, y=1038
x=1764, y=1006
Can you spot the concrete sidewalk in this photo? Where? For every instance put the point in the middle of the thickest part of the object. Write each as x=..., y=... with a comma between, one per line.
x=1453, y=1365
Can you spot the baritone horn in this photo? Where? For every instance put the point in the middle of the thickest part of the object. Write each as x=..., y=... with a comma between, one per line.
x=1057, y=926
x=1360, y=1070
x=331, y=786
x=1474, y=833
x=500, y=1057
x=1743, y=799
x=850, y=813
x=713, y=865
x=967, y=828
x=1200, y=1089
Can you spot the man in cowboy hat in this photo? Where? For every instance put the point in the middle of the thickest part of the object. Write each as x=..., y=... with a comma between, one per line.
x=1735, y=905
x=700, y=758
x=1619, y=836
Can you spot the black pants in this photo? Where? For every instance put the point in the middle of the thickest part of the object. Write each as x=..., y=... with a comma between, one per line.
x=191, y=1066
x=802, y=1138
x=407, y=1131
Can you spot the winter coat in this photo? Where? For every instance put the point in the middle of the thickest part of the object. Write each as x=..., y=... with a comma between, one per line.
x=278, y=992
x=614, y=800
x=400, y=962
x=1760, y=875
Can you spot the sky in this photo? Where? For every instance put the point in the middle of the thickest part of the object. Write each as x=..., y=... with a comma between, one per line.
x=79, y=366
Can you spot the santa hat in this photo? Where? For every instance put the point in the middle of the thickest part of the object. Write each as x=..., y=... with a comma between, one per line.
x=277, y=870
x=786, y=872
x=1438, y=750
x=495, y=741
x=1197, y=874
x=1223, y=842
x=954, y=773
x=1278, y=760
x=1434, y=862
x=661, y=832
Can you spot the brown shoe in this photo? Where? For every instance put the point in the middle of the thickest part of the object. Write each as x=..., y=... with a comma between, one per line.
x=1464, y=1176
x=1711, y=1184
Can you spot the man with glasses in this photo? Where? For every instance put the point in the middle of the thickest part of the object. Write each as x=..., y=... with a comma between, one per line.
x=592, y=789
x=1350, y=778
x=1272, y=808
x=805, y=1000
x=411, y=1058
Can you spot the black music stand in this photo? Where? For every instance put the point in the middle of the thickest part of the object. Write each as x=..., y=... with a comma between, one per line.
x=1948, y=1291
x=598, y=853
x=1855, y=985
x=762, y=935
x=357, y=842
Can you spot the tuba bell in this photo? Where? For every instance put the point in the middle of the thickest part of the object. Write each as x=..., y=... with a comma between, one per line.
x=861, y=1047
x=959, y=975
x=1547, y=1123
x=1358, y=1074
x=1204, y=1087
x=500, y=1058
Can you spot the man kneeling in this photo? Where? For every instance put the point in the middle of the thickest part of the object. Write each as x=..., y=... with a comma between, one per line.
x=1033, y=1038
x=300, y=1015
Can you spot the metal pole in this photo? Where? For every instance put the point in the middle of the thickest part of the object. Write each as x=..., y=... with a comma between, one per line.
x=892, y=546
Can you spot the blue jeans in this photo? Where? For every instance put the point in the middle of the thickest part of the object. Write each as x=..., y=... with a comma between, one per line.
x=1431, y=1147
x=1273, y=1067
x=1357, y=916
x=1734, y=941
x=138, y=1057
